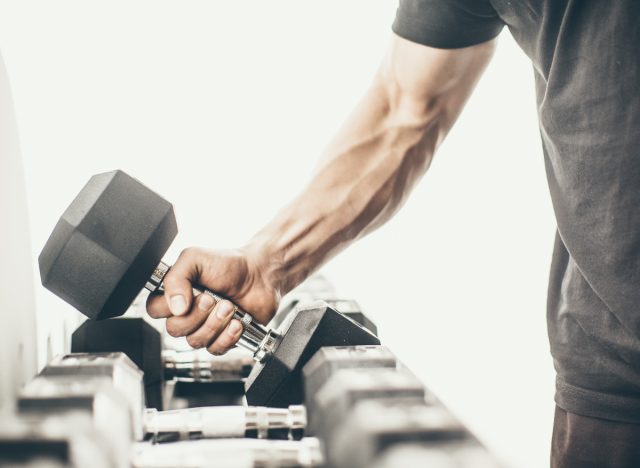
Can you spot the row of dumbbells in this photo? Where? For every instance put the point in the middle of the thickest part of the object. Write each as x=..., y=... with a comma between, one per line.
x=361, y=404
x=365, y=407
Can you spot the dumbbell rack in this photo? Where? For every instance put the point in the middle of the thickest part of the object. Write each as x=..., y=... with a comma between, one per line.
x=363, y=408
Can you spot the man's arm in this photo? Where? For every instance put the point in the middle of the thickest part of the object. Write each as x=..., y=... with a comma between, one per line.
x=365, y=175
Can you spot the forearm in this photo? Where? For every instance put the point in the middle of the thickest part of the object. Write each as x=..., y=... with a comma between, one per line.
x=363, y=178
x=382, y=150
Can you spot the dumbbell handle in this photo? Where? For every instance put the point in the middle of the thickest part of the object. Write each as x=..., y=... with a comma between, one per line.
x=225, y=421
x=256, y=338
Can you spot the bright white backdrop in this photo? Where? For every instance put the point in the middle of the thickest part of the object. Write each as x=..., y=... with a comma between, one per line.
x=223, y=107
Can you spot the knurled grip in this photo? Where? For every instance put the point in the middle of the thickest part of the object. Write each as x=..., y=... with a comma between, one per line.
x=254, y=338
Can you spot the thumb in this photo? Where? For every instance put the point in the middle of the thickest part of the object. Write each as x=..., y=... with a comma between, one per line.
x=177, y=283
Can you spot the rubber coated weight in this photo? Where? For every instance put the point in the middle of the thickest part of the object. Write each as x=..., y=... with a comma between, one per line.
x=278, y=380
x=375, y=425
x=330, y=359
x=439, y=455
x=107, y=244
x=217, y=381
x=122, y=372
x=61, y=441
x=96, y=396
x=132, y=336
x=339, y=395
x=347, y=307
x=74, y=383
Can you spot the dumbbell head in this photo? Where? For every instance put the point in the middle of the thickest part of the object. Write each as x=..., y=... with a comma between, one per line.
x=278, y=380
x=108, y=409
x=330, y=359
x=107, y=244
x=347, y=387
x=347, y=307
x=445, y=455
x=212, y=380
x=132, y=336
x=61, y=441
x=123, y=373
x=354, y=311
x=375, y=425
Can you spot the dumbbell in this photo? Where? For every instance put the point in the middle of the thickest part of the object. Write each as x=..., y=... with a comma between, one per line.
x=317, y=287
x=109, y=411
x=375, y=425
x=441, y=455
x=370, y=414
x=61, y=441
x=108, y=245
x=48, y=391
x=330, y=359
x=218, y=379
x=338, y=396
x=230, y=453
x=122, y=373
x=201, y=379
x=255, y=422
x=347, y=307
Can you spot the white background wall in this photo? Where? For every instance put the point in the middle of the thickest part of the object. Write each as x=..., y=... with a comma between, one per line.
x=223, y=107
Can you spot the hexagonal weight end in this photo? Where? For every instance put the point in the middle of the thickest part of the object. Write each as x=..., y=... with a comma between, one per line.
x=278, y=381
x=107, y=244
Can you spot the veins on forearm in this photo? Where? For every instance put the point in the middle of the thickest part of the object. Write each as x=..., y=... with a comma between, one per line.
x=353, y=192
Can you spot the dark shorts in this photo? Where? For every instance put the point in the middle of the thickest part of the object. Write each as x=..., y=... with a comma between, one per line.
x=582, y=442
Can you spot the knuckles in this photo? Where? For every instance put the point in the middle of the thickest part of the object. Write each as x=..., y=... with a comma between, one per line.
x=174, y=330
x=194, y=342
x=189, y=254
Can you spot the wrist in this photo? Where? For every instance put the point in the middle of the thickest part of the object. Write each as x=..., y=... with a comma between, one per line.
x=267, y=263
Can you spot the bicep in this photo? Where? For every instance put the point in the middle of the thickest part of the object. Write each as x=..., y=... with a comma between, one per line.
x=420, y=80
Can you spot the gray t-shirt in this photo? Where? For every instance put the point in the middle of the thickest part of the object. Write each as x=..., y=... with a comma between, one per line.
x=586, y=61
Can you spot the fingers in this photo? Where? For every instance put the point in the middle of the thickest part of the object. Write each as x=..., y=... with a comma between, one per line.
x=227, y=339
x=215, y=328
x=205, y=326
x=157, y=306
x=183, y=325
x=204, y=323
x=178, y=282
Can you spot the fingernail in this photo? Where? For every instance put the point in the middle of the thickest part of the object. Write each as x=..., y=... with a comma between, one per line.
x=235, y=328
x=178, y=305
x=206, y=302
x=225, y=309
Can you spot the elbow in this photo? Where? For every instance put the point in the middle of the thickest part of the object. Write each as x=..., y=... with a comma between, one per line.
x=423, y=114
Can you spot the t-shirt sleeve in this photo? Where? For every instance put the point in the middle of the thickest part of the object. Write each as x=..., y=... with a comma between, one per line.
x=447, y=24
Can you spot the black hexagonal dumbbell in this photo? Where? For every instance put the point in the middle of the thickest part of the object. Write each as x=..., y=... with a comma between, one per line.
x=347, y=307
x=53, y=395
x=397, y=433
x=330, y=359
x=333, y=403
x=108, y=245
x=317, y=287
x=68, y=440
x=108, y=385
x=215, y=380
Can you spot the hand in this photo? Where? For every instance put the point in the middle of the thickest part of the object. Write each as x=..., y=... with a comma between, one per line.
x=234, y=274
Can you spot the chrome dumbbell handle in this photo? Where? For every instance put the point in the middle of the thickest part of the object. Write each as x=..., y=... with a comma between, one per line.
x=255, y=337
x=224, y=421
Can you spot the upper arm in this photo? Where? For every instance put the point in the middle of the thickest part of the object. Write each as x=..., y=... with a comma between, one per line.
x=439, y=50
x=419, y=80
